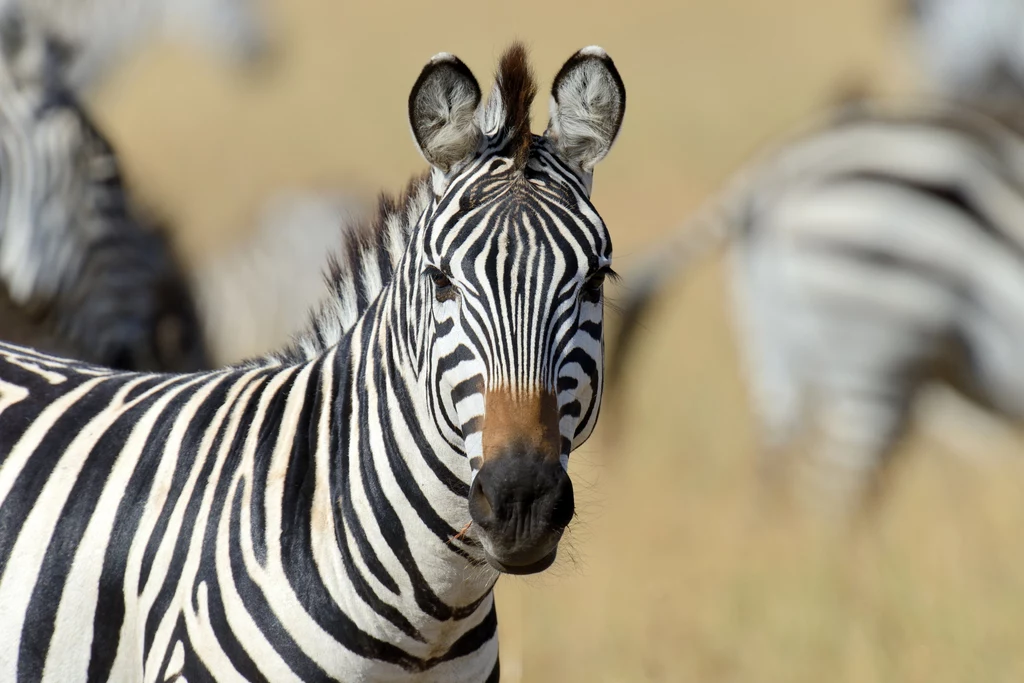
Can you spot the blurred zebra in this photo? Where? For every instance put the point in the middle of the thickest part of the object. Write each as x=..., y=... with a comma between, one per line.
x=256, y=295
x=970, y=50
x=340, y=510
x=82, y=273
x=94, y=36
x=871, y=258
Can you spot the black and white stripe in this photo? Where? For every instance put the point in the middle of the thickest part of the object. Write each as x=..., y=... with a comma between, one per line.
x=871, y=258
x=339, y=511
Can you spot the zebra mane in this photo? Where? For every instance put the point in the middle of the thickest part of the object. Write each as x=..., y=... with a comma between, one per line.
x=361, y=269
x=514, y=90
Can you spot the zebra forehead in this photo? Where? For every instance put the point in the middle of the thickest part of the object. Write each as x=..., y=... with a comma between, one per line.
x=509, y=207
x=522, y=239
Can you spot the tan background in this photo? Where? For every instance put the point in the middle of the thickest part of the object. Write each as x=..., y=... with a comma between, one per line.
x=672, y=573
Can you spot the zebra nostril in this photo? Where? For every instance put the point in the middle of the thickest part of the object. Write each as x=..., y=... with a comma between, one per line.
x=564, y=506
x=480, y=509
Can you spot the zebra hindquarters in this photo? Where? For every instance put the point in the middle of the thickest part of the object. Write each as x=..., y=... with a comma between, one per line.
x=840, y=340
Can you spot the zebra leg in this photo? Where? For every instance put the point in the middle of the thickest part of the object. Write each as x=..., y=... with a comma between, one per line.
x=776, y=396
x=776, y=388
x=859, y=426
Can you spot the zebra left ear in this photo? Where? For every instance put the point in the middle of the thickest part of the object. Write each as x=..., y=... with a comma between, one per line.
x=588, y=101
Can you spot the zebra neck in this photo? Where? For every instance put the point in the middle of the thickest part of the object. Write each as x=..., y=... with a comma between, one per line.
x=400, y=491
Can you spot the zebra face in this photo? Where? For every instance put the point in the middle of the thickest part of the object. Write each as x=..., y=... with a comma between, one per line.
x=513, y=260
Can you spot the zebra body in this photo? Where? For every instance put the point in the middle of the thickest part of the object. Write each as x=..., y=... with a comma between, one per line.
x=869, y=259
x=209, y=524
x=341, y=510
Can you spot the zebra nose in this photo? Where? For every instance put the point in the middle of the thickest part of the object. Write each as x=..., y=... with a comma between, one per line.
x=522, y=502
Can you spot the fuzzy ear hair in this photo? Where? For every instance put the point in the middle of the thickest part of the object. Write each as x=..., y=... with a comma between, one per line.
x=442, y=111
x=588, y=101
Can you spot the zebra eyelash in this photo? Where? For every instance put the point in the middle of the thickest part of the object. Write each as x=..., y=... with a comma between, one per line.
x=594, y=283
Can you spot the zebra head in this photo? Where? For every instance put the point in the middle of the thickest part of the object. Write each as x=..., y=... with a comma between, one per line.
x=510, y=270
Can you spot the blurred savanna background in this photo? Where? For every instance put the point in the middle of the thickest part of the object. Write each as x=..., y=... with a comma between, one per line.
x=674, y=571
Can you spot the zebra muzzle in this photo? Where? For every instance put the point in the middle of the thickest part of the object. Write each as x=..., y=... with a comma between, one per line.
x=521, y=500
x=521, y=507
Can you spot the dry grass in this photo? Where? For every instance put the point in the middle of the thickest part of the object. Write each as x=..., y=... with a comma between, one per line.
x=674, y=573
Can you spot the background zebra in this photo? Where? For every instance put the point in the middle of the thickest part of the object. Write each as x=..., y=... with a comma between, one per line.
x=257, y=295
x=969, y=50
x=816, y=342
x=870, y=258
x=81, y=273
x=304, y=517
x=94, y=36
x=252, y=299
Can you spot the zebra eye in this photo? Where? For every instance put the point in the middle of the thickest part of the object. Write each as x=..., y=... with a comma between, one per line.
x=443, y=287
x=594, y=284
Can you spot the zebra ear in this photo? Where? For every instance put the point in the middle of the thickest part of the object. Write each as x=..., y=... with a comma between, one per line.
x=588, y=101
x=23, y=47
x=442, y=111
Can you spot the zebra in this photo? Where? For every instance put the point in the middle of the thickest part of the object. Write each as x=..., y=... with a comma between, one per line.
x=95, y=36
x=873, y=257
x=969, y=50
x=83, y=271
x=341, y=509
x=256, y=295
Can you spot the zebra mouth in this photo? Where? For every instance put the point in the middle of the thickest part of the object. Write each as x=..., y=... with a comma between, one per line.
x=530, y=568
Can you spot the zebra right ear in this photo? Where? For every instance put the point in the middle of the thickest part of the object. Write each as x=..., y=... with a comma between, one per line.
x=588, y=101
x=442, y=111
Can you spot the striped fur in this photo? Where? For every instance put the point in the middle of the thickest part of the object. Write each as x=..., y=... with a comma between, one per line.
x=870, y=258
x=342, y=510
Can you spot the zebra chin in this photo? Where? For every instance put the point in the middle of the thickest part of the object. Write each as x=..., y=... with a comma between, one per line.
x=522, y=569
